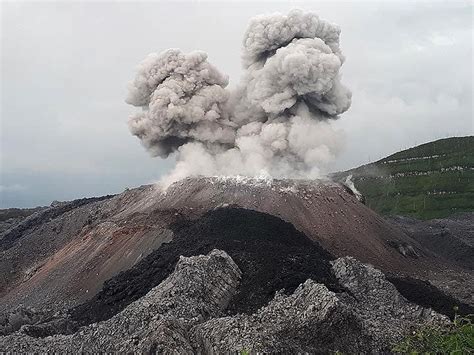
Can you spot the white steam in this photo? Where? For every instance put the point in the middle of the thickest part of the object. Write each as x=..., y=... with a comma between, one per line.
x=275, y=123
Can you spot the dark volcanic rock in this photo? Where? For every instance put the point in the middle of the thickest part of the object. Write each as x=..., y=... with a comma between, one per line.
x=323, y=210
x=451, y=238
x=448, y=241
x=11, y=236
x=13, y=320
x=61, y=257
x=271, y=253
x=312, y=319
x=184, y=315
x=315, y=320
x=10, y=217
x=425, y=294
x=199, y=288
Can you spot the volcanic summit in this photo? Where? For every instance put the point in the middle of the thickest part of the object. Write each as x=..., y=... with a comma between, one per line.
x=105, y=254
x=245, y=246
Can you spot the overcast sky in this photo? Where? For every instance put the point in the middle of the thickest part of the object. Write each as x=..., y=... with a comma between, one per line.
x=65, y=68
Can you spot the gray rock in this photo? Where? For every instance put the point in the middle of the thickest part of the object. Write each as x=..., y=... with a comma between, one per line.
x=312, y=319
x=184, y=315
x=199, y=288
x=370, y=317
x=13, y=320
x=385, y=313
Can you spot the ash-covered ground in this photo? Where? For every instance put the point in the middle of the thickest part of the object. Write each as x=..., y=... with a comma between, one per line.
x=451, y=238
x=86, y=261
x=271, y=254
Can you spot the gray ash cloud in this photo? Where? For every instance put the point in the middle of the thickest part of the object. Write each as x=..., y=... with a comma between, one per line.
x=276, y=122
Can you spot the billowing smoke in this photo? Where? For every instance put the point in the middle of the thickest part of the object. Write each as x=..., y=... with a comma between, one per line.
x=182, y=96
x=277, y=122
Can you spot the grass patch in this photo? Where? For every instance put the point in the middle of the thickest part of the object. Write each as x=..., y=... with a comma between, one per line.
x=455, y=338
x=433, y=180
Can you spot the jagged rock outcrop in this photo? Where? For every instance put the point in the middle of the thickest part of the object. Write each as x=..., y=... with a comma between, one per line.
x=370, y=317
x=270, y=252
x=60, y=257
x=13, y=320
x=10, y=217
x=385, y=313
x=184, y=315
x=312, y=319
x=198, y=289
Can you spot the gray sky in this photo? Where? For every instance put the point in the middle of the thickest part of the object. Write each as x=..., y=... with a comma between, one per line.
x=65, y=68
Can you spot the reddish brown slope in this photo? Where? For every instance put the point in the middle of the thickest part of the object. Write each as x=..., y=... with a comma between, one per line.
x=64, y=260
x=324, y=211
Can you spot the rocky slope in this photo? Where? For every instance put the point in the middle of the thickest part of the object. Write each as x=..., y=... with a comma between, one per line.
x=60, y=257
x=451, y=238
x=198, y=289
x=183, y=314
x=10, y=217
x=368, y=317
x=271, y=253
x=121, y=273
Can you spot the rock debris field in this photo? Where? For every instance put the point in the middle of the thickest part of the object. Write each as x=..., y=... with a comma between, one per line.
x=217, y=265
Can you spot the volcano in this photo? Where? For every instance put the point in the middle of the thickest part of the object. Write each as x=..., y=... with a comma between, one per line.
x=84, y=262
x=61, y=256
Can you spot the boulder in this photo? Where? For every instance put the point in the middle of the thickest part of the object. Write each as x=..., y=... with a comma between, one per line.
x=199, y=288
x=370, y=317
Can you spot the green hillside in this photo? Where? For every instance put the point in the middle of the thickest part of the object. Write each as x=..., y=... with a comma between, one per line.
x=431, y=180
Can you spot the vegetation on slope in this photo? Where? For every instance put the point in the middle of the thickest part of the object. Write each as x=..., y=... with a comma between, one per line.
x=432, y=180
x=456, y=338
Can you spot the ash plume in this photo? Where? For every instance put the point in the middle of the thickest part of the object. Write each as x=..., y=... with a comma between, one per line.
x=276, y=122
